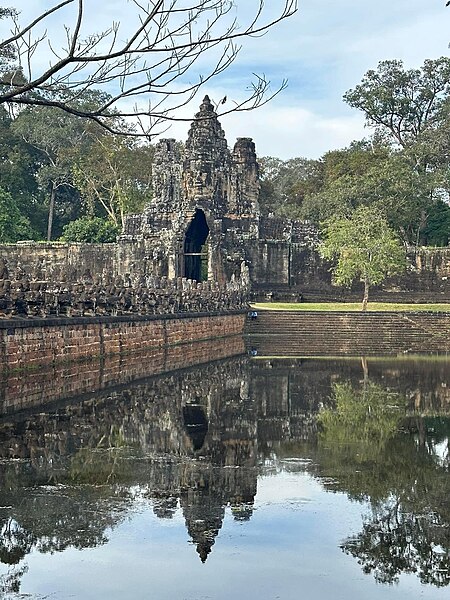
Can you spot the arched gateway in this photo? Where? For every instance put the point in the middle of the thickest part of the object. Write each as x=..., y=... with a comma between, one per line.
x=195, y=249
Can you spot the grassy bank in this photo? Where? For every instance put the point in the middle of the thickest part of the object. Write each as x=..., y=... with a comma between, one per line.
x=351, y=306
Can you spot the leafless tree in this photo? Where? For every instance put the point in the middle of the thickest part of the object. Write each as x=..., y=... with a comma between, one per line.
x=173, y=50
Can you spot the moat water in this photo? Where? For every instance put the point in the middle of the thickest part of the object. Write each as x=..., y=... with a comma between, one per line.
x=246, y=478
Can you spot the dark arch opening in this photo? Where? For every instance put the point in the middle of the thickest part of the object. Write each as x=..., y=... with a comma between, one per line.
x=196, y=424
x=195, y=251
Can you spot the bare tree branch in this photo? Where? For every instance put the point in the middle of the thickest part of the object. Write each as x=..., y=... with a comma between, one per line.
x=176, y=47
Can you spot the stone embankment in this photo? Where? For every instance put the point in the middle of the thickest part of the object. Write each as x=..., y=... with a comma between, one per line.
x=60, y=382
x=310, y=333
x=35, y=343
x=46, y=323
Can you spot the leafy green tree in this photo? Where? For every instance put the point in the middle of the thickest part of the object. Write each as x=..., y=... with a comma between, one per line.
x=403, y=103
x=19, y=165
x=13, y=225
x=344, y=174
x=363, y=247
x=114, y=174
x=90, y=229
x=437, y=229
x=59, y=139
x=410, y=109
x=286, y=184
x=57, y=136
x=372, y=175
x=7, y=50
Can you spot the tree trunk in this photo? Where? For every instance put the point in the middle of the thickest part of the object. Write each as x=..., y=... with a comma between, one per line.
x=51, y=210
x=366, y=295
x=365, y=368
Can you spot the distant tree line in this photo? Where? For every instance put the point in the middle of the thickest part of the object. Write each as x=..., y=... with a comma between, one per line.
x=64, y=175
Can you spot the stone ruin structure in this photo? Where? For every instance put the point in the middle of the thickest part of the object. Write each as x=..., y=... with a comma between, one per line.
x=204, y=219
x=203, y=227
x=205, y=206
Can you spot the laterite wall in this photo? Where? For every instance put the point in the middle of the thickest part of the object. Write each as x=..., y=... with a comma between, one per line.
x=36, y=342
x=58, y=382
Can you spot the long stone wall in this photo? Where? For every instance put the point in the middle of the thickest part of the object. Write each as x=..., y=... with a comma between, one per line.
x=288, y=271
x=36, y=342
x=75, y=262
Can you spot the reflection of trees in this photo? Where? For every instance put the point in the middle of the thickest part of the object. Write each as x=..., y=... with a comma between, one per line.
x=103, y=463
x=10, y=583
x=368, y=449
x=61, y=517
x=15, y=542
x=365, y=420
x=395, y=540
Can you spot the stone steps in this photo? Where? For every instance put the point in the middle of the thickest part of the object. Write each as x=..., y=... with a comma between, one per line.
x=288, y=333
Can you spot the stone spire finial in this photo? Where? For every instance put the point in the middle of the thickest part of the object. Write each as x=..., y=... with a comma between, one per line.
x=206, y=136
x=206, y=105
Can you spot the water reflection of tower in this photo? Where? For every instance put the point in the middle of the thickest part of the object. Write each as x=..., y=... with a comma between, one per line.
x=225, y=472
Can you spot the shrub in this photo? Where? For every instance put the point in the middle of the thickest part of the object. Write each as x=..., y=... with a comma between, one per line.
x=91, y=230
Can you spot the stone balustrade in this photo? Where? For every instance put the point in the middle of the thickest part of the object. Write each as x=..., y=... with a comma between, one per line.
x=119, y=296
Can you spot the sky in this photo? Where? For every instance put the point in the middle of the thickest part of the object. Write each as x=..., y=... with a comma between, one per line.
x=323, y=50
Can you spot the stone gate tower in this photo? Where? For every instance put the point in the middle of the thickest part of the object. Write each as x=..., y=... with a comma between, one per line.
x=204, y=210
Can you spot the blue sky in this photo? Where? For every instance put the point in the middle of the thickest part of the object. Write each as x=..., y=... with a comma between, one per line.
x=323, y=51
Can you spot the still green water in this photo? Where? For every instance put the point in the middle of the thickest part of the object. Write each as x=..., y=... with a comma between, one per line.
x=255, y=479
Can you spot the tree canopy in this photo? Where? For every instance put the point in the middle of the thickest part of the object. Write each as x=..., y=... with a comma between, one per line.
x=403, y=103
x=13, y=225
x=402, y=169
x=90, y=230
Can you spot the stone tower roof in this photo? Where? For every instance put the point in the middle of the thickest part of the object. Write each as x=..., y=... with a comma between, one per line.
x=206, y=139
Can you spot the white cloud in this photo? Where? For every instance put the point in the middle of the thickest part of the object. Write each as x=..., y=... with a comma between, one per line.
x=288, y=132
x=283, y=131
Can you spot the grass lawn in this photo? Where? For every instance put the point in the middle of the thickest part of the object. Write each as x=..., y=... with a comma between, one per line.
x=351, y=306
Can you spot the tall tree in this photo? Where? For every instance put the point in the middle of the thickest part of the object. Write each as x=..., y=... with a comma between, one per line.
x=403, y=103
x=372, y=175
x=156, y=63
x=58, y=137
x=363, y=247
x=19, y=165
x=14, y=226
x=410, y=108
x=286, y=183
x=114, y=173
